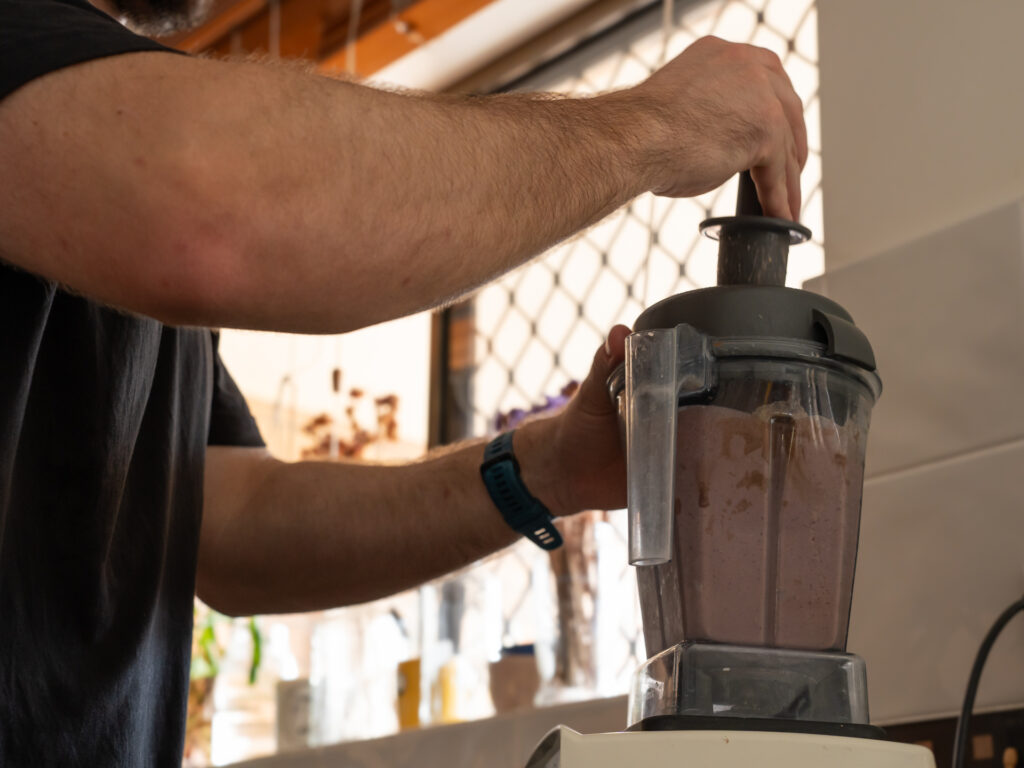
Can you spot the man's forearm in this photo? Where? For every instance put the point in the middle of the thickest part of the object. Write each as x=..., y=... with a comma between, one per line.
x=313, y=535
x=432, y=197
x=289, y=537
x=239, y=194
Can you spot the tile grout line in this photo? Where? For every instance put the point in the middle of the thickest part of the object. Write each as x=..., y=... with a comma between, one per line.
x=984, y=450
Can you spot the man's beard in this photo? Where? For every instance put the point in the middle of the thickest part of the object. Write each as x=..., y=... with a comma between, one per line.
x=160, y=18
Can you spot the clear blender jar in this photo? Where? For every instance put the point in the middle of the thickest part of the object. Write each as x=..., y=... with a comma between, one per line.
x=744, y=410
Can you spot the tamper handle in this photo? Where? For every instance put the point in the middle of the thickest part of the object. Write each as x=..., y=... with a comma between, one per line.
x=747, y=203
x=753, y=249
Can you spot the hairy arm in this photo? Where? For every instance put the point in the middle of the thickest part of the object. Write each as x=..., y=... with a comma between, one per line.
x=250, y=195
x=311, y=535
x=280, y=537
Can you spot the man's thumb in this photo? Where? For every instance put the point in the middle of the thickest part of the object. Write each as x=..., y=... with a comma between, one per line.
x=593, y=395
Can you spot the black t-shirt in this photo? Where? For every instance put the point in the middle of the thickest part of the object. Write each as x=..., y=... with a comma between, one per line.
x=104, y=421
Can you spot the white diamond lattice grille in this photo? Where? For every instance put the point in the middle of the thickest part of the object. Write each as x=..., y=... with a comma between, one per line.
x=537, y=328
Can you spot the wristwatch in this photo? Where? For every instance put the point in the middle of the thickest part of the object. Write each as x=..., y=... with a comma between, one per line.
x=523, y=513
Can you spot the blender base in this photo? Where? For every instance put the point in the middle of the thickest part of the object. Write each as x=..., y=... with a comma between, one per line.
x=741, y=682
x=767, y=725
x=565, y=748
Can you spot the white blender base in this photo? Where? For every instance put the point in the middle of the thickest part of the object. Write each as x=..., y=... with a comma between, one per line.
x=564, y=748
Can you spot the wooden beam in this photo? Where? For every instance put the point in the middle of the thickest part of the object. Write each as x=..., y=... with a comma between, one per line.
x=592, y=20
x=404, y=33
x=317, y=30
x=372, y=14
x=242, y=26
x=219, y=26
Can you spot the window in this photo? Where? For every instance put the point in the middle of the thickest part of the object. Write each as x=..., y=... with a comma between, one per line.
x=536, y=330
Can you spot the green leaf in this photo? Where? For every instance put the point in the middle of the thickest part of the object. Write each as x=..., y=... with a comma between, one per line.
x=257, y=649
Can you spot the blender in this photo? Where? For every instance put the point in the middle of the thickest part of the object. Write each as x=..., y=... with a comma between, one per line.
x=745, y=409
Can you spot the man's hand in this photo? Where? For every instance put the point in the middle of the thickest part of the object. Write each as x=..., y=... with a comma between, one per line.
x=280, y=537
x=724, y=108
x=574, y=460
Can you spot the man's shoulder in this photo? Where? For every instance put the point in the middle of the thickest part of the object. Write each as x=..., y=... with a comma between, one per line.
x=42, y=36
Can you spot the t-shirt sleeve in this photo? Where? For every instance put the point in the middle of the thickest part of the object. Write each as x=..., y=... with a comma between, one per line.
x=231, y=422
x=42, y=36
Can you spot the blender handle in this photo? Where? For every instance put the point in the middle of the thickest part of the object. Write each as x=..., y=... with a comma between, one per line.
x=747, y=201
x=661, y=365
x=650, y=443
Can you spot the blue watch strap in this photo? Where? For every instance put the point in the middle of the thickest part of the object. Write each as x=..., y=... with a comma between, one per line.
x=524, y=513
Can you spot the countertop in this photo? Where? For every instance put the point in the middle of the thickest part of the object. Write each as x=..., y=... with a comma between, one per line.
x=505, y=741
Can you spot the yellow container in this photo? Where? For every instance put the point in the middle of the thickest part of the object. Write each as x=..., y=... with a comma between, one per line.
x=409, y=694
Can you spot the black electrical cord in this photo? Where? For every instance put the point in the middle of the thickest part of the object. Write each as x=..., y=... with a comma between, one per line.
x=963, y=725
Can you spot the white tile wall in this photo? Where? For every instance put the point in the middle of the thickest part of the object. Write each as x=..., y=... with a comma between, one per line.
x=921, y=118
x=945, y=314
x=941, y=556
x=942, y=537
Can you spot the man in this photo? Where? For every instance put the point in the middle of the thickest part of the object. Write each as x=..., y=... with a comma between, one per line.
x=145, y=197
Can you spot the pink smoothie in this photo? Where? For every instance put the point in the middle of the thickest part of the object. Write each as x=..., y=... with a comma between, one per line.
x=767, y=512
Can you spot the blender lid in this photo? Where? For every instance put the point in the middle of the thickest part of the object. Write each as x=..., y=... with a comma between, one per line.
x=769, y=312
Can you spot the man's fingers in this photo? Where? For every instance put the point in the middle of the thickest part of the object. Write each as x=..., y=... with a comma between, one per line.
x=615, y=344
x=792, y=105
x=778, y=178
x=793, y=108
x=772, y=187
x=788, y=145
x=793, y=182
